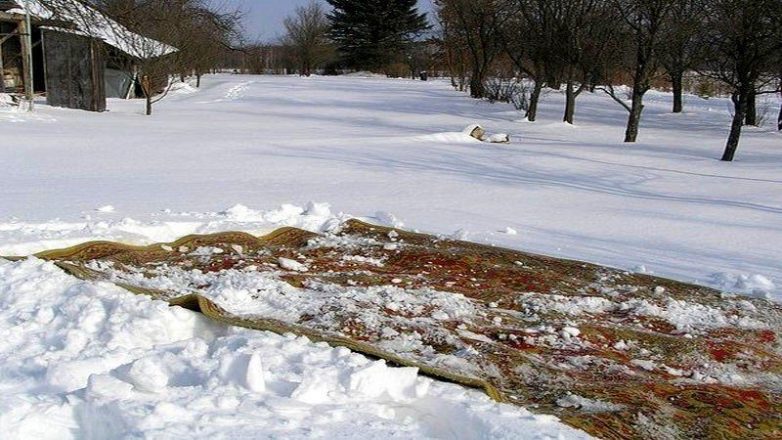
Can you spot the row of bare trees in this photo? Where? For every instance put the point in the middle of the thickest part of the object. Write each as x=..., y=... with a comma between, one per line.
x=597, y=45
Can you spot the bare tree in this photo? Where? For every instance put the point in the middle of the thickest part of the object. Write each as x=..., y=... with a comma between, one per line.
x=452, y=49
x=477, y=24
x=779, y=118
x=524, y=40
x=307, y=37
x=682, y=46
x=646, y=21
x=745, y=38
x=204, y=36
x=584, y=31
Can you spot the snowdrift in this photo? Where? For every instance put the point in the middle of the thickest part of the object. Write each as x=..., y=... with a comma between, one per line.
x=617, y=354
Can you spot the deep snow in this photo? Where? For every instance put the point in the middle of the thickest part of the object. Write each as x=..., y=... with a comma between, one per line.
x=91, y=361
x=247, y=153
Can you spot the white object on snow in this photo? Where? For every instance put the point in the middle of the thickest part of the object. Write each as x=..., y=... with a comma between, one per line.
x=475, y=131
x=499, y=138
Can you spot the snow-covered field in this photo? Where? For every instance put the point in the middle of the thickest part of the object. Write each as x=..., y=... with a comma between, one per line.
x=250, y=153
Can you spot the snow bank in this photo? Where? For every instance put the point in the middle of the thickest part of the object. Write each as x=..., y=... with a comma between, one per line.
x=26, y=238
x=748, y=284
x=457, y=137
x=90, y=361
x=183, y=88
x=5, y=101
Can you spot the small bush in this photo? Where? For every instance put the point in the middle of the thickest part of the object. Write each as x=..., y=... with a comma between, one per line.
x=510, y=90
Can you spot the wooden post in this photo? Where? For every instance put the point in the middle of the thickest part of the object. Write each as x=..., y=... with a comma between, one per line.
x=2, y=68
x=25, y=35
x=146, y=85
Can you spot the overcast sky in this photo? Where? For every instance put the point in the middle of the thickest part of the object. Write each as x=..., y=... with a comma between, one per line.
x=264, y=17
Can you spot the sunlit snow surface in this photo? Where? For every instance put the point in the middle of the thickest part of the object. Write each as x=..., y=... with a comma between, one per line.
x=248, y=153
x=665, y=205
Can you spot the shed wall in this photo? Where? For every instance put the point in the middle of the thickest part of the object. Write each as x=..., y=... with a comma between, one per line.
x=74, y=72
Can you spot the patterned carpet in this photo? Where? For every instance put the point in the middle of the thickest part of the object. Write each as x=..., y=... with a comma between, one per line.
x=617, y=354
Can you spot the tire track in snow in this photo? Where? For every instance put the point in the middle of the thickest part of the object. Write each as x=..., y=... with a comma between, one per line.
x=232, y=94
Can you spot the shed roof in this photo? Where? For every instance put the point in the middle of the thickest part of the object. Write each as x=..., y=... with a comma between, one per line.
x=93, y=23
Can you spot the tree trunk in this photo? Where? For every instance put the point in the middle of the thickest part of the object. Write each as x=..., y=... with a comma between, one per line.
x=198, y=80
x=779, y=118
x=752, y=111
x=634, y=120
x=740, y=101
x=476, y=85
x=146, y=87
x=570, y=103
x=532, y=111
x=677, y=80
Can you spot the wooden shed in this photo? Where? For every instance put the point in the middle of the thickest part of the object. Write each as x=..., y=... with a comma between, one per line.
x=69, y=63
x=74, y=67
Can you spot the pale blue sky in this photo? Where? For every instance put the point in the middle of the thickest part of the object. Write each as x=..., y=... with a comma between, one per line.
x=264, y=17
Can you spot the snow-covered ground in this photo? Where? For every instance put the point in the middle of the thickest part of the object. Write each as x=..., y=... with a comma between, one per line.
x=368, y=145
x=91, y=361
x=249, y=153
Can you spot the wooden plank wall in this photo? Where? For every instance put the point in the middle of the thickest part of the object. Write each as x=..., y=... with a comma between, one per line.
x=75, y=71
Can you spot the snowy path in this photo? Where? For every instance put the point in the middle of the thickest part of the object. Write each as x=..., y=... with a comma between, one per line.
x=366, y=145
